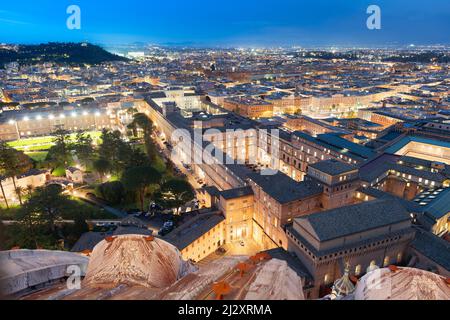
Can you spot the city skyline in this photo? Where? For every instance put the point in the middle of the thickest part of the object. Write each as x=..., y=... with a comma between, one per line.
x=244, y=152
x=249, y=24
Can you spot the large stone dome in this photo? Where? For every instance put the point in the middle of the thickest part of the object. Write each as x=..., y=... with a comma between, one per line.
x=135, y=260
x=402, y=284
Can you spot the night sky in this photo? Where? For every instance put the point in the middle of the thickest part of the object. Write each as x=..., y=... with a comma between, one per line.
x=228, y=23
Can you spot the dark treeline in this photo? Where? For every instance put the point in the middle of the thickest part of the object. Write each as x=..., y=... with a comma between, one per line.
x=67, y=53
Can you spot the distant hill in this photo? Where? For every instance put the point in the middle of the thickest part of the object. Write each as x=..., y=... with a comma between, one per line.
x=66, y=53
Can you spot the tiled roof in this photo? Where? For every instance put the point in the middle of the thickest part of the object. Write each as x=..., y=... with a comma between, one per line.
x=432, y=247
x=284, y=189
x=237, y=193
x=348, y=220
x=332, y=167
x=188, y=232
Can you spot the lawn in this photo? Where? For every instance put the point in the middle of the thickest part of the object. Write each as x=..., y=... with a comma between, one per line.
x=59, y=172
x=159, y=164
x=37, y=156
x=45, y=143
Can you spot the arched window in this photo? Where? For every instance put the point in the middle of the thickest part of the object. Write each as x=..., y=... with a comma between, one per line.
x=386, y=261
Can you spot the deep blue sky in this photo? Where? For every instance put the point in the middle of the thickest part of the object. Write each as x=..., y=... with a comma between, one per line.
x=228, y=22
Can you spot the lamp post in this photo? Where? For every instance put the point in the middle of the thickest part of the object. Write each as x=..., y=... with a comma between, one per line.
x=14, y=122
x=96, y=114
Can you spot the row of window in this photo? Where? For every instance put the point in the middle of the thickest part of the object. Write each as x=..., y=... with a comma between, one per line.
x=341, y=253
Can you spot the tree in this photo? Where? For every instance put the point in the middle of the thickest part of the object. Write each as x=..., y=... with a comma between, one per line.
x=12, y=164
x=83, y=148
x=120, y=153
x=20, y=192
x=3, y=159
x=141, y=120
x=37, y=217
x=29, y=190
x=72, y=232
x=113, y=191
x=110, y=144
x=114, y=149
x=60, y=153
x=174, y=193
x=134, y=157
x=46, y=204
x=139, y=179
x=102, y=167
x=3, y=236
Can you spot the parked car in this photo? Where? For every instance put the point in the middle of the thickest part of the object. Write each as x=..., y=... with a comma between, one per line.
x=168, y=224
x=165, y=230
x=242, y=243
x=155, y=207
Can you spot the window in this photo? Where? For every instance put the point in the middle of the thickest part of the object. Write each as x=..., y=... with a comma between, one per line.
x=386, y=261
x=399, y=257
x=327, y=279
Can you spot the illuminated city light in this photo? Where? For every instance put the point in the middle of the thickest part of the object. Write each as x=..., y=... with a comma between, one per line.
x=334, y=143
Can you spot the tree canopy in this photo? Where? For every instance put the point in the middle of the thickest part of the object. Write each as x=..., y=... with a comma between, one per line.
x=139, y=179
x=174, y=193
x=12, y=164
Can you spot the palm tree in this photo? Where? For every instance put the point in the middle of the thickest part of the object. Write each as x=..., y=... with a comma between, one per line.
x=4, y=195
x=20, y=192
x=17, y=163
x=1, y=187
x=29, y=190
x=3, y=160
x=12, y=164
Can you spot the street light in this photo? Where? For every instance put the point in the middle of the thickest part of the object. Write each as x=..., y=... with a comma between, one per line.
x=26, y=118
x=13, y=122
x=62, y=116
x=96, y=114
x=51, y=116
x=39, y=117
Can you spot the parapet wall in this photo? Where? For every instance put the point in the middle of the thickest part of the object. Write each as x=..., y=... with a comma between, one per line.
x=22, y=270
